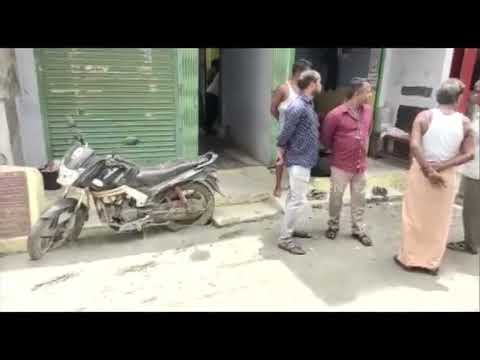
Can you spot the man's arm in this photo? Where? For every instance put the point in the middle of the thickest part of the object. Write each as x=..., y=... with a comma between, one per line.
x=467, y=150
x=292, y=118
x=418, y=130
x=328, y=130
x=277, y=98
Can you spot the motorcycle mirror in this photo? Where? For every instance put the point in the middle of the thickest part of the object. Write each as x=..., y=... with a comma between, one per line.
x=131, y=140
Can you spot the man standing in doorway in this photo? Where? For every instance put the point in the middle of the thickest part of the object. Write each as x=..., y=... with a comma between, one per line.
x=281, y=100
x=346, y=132
x=299, y=145
x=211, y=98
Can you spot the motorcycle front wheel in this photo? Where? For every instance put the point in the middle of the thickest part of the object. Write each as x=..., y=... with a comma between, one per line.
x=48, y=233
x=200, y=194
x=40, y=239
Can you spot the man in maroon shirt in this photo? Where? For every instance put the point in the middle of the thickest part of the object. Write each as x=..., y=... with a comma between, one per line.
x=345, y=132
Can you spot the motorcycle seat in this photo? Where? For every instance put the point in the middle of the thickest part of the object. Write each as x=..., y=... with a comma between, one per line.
x=154, y=176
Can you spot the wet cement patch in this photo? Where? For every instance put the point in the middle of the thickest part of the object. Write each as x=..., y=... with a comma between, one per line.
x=149, y=300
x=138, y=268
x=200, y=255
x=231, y=234
x=54, y=281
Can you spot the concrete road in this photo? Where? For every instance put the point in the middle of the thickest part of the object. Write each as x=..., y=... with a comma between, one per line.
x=237, y=269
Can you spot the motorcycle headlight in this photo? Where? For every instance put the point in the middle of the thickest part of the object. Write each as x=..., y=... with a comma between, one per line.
x=66, y=176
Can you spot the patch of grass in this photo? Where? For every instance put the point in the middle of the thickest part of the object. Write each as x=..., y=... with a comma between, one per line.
x=395, y=180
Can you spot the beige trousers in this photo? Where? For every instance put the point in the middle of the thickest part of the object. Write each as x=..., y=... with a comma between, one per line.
x=339, y=181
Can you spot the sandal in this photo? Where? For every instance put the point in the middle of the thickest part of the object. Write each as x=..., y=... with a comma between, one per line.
x=331, y=233
x=363, y=238
x=302, y=235
x=462, y=246
x=292, y=248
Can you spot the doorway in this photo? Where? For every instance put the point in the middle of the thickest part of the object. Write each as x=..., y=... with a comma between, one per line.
x=242, y=125
x=337, y=67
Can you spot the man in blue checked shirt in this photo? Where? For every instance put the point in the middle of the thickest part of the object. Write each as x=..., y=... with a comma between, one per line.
x=299, y=140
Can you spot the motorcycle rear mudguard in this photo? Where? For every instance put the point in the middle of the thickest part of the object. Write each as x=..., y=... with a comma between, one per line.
x=207, y=179
x=211, y=183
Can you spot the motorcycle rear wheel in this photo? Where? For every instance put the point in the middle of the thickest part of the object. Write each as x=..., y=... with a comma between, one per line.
x=208, y=200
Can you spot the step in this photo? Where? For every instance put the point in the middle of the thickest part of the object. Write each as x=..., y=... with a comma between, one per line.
x=237, y=214
x=244, y=186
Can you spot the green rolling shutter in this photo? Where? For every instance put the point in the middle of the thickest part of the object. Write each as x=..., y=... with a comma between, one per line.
x=112, y=94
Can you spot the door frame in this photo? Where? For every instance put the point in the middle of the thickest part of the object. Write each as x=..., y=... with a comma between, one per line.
x=466, y=73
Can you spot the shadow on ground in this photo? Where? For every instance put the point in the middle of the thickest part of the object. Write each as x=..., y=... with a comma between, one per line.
x=338, y=271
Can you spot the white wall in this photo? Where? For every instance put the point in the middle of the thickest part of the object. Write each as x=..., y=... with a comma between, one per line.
x=5, y=144
x=10, y=138
x=28, y=108
x=413, y=67
x=246, y=94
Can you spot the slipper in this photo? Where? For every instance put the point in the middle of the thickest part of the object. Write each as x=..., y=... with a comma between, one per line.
x=363, y=238
x=302, y=235
x=331, y=233
x=462, y=246
x=292, y=248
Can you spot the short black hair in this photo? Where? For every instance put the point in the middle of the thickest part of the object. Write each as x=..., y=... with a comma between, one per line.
x=301, y=66
x=450, y=91
x=307, y=77
x=355, y=84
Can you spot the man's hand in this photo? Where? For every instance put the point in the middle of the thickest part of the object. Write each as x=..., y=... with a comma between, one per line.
x=437, y=166
x=280, y=157
x=436, y=179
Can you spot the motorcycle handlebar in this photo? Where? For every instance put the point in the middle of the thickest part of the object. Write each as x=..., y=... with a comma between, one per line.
x=211, y=158
x=122, y=160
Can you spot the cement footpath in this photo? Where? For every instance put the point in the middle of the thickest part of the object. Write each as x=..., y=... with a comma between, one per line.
x=261, y=203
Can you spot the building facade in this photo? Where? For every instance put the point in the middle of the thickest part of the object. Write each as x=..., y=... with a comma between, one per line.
x=153, y=94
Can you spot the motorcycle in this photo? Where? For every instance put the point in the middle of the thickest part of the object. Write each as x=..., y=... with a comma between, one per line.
x=125, y=196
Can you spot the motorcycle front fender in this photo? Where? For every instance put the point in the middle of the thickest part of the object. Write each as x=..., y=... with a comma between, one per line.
x=71, y=201
x=58, y=207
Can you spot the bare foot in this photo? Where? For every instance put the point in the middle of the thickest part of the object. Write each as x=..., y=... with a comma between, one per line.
x=277, y=192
